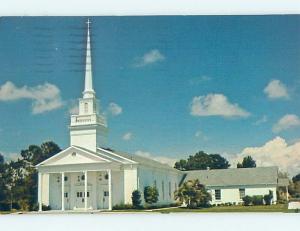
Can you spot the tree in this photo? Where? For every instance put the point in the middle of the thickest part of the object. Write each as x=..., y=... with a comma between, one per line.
x=296, y=178
x=2, y=180
x=193, y=194
x=202, y=160
x=18, y=179
x=248, y=162
x=181, y=165
x=136, y=199
x=1, y=159
x=247, y=200
x=151, y=194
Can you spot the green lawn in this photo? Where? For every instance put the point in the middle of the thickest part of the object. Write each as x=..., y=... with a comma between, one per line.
x=237, y=208
x=220, y=209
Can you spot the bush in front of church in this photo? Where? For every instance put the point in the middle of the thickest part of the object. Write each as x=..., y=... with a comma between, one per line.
x=136, y=199
x=150, y=194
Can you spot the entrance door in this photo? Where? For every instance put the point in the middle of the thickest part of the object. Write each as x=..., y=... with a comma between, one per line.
x=67, y=200
x=80, y=197
x=104, y=197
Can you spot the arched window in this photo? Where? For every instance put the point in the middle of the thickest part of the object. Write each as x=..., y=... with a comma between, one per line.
x=85, y=107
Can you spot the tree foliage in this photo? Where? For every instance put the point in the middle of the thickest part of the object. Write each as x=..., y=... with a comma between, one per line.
x=248, y=162
x=18, y=179
x=193, y=194
x=202, y=160
x=296, y=178
x=294, y=187
x=150, y=194
x=136, y=199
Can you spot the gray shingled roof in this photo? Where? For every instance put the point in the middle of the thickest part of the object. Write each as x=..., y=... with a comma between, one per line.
x=235, y=176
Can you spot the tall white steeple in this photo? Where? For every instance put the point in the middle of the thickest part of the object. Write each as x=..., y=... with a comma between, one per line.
x=88, y=84
x=88, y=129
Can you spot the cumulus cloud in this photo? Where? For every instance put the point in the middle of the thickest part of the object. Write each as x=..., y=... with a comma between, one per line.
x=150, y=57
x=161, y=159
x=275, y=152
x=115, y=109
x=286, y=122
x=215, y=105
x=127, y=136
x=45, y=97
x=276, y=89
x=262, y=120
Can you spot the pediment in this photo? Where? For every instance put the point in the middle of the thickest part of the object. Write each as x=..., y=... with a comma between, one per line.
x=74, y=155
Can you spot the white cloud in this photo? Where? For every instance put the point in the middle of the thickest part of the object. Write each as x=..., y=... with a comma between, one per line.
x=286, y=122
x=127, y=136
x=115, y=109
x=199, y=80
x=275, y=152
x=161, y=159
x=74, y=110
x=215, y=105
x=276, y=89
x=262, y=120
x=8, y=156
x=150, y=57
x=200, y=134
x=44, y=97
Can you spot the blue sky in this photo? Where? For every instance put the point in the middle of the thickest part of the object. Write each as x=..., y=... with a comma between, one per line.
x=184, y=83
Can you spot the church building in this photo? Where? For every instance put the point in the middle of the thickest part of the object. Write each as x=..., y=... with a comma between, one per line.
x=86, y=176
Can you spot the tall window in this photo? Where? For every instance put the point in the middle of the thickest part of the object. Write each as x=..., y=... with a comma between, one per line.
x=163, y=189
x=170, y=194
x=218, y=194
x=242, y=193
x=85, y=107
x=155, y=185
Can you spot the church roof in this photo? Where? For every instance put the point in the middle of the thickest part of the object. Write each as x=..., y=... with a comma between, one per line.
x=235, y=176
x=138, y=159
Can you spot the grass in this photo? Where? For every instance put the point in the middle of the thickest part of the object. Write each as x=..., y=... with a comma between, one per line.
x=220, y=209
x=237, y=208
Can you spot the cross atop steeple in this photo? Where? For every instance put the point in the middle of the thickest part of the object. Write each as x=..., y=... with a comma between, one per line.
x=88, y=128
x=88, y=83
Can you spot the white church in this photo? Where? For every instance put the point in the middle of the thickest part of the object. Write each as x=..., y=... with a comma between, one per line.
x=86, y=176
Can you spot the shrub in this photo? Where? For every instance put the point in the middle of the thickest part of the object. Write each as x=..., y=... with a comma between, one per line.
x=150, y=194
x=46, y=207
x=4, y=206
x=247, y=200
x=258, y=200
x=122, y=207
x=24, y=204
x=268, y=198
x=136, y=199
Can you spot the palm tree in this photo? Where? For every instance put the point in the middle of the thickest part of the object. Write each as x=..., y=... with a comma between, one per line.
x=193, y=194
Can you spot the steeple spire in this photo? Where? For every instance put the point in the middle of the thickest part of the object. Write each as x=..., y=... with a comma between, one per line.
x=88, y=83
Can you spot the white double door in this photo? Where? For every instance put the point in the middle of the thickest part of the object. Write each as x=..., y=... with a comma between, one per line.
x=80, y=198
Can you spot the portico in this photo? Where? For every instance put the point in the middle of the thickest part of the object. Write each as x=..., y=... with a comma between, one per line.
x=78, y=190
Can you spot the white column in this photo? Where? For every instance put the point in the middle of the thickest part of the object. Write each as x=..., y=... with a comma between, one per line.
x=109, y=190
x=287, y=193
x=85, y=190
x=62, y=191
x=40, y=175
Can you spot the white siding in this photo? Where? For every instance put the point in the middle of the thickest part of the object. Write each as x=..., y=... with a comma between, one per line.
x=232, y=195
x=130, y=184
x=163, y=177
